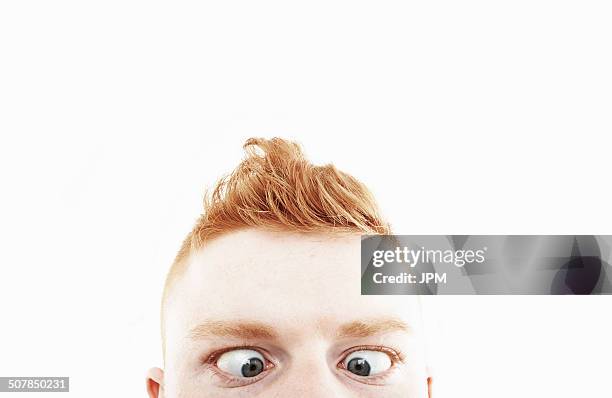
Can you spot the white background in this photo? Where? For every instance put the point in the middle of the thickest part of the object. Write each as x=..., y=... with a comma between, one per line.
x=463, y=117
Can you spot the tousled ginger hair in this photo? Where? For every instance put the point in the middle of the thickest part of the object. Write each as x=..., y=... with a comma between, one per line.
x=276, y=188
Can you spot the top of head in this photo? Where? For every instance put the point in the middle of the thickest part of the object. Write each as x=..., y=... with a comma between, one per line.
x=276, y=188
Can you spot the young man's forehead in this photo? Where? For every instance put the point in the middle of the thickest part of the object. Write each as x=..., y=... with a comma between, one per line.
x=269, y=257
x=302, y=277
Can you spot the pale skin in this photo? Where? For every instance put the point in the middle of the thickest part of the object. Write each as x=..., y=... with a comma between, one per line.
x=279, y=314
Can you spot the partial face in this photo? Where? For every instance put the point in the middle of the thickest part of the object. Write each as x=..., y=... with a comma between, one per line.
x=262, y=314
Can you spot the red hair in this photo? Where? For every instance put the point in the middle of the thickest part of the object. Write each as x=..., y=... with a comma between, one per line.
x=276, y=188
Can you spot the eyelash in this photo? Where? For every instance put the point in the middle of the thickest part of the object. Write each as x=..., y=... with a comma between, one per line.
x=234, y=381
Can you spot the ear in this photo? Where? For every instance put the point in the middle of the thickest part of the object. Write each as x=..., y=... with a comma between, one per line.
x=429, y=387
x=155, y=383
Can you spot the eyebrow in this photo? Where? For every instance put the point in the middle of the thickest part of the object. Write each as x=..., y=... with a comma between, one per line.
x=367, y=328
x=240, y=330
x=257, y=330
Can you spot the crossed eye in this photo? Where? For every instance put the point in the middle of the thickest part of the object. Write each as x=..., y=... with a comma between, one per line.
x=367, y=362
x=248, y=363
x=242, y=363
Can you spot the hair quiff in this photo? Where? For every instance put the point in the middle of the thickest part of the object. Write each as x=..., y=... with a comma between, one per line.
x=276, y=188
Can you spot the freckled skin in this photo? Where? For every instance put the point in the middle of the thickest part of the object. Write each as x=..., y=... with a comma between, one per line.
x=305, y=286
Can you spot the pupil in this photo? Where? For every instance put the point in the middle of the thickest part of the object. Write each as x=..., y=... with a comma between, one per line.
x=252, y=367
x=359, y=366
